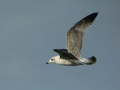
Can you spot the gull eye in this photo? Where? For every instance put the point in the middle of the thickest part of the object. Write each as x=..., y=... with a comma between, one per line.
x=52, y=59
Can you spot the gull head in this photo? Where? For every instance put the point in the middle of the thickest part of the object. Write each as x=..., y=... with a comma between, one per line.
x=53, y=59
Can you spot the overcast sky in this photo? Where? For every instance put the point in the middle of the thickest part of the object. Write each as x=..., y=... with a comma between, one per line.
x=31, y=29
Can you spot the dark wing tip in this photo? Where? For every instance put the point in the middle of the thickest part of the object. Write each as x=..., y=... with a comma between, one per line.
x=91, y=17
x=64, y=54
x=96, y=13
x=56, y=50
x=88, y=19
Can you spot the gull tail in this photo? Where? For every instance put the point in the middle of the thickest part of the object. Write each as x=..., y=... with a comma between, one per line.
x=92, y=60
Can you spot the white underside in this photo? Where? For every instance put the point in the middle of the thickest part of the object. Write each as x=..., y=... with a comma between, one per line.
x=65, y=62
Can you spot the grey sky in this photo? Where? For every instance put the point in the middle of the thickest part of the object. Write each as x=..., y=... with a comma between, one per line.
x=31, y=29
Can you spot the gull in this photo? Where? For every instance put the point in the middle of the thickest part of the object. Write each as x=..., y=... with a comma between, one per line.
x=71, y=56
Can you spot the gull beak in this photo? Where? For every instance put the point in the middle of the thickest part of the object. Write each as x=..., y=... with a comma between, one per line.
x=47, y=62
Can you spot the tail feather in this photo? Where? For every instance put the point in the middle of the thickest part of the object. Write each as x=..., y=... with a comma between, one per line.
x=92, y=60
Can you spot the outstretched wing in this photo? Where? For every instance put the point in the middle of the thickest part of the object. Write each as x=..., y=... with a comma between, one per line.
x=76, y=33
x=64, y=54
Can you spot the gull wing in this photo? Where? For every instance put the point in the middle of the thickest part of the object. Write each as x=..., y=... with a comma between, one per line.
x=76, y=33
x=64, y=54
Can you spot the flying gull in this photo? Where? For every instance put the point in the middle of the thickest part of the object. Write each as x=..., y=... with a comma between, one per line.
x=71, y=55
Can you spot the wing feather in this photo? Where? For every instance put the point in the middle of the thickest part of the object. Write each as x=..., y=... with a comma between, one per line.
x=76, y=33
x=64, y=54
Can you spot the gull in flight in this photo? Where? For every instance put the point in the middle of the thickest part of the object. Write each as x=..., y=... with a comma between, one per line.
x=71, y=55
